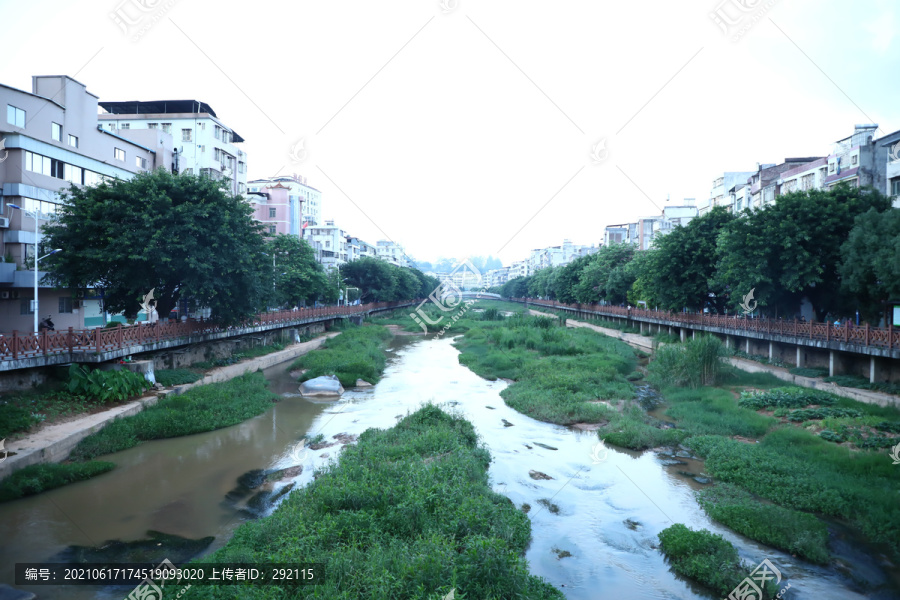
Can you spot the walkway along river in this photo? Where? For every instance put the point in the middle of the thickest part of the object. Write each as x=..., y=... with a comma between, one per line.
x=594, y=524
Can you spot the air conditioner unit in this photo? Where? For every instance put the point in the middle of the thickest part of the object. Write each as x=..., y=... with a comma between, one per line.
x=4, y=295
x=4, y=222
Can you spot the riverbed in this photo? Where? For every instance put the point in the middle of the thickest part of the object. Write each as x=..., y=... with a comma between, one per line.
x=594, y=522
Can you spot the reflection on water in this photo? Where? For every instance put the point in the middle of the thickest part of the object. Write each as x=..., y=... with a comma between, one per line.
x=604, y=510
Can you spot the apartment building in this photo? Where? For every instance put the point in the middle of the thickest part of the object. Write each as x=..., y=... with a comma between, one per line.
x=393, y=253
x=52, y=140
x=304, y=199
x=357, y=248
x=204, y=144
x=333, y=244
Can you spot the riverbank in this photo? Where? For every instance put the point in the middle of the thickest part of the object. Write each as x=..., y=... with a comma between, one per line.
x=749, y=447
x=54, y=443
x=408, y=512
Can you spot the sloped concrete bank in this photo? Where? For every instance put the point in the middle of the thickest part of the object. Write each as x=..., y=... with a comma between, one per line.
x=55, y=442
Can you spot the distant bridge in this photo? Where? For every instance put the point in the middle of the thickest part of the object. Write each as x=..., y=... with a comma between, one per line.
x=485, y=295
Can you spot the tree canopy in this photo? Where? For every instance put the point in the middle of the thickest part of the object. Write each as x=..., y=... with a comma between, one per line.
x=182, y=235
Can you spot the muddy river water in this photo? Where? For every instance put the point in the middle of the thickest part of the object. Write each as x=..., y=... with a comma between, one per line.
x=594, y=524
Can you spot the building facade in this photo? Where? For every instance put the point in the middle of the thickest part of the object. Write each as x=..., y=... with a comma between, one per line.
x=304, y=198
x=204, y=144
x=332, y=241
x=52, y=140
x=393, y=253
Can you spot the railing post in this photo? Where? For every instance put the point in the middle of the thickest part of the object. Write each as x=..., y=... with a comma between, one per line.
x=69, y=340
x=867, y=334
x=119, y=343
x=98, y=339
x=846, y=333
x=15, y=344
x=828, y=331
x=44, y=337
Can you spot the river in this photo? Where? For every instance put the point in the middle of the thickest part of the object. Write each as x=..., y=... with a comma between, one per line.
x=594, y=524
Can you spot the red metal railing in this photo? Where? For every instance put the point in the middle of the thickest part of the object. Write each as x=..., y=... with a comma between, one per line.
x=29, y=345
x=883, y=337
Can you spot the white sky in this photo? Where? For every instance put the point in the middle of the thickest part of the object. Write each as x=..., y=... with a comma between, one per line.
x=465, y=132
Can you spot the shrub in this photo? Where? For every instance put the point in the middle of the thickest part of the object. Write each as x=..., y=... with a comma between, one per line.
x=491, y=314
x=355, y=354
x=105, y=386
x=808, y=372
x=692, y=364
x=15, y=418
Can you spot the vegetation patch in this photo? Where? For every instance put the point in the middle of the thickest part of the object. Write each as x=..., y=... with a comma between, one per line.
x=407, y=513
x=695, y=363
x=559, y=372
x=358, y=353
x=808, y=372
x=237, y=357
x=202, y=408
x=862, y=383
x=705, y=557
x=786, y=397
x=170, y=377
x=35, y=479
x=790, y=530
x=799, y=470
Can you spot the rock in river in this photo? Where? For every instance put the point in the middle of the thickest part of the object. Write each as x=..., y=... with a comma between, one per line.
x=538, y=475
x=157, y=548
x=326, y=385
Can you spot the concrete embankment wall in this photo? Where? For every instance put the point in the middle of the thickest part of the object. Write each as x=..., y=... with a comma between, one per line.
x=55, y=442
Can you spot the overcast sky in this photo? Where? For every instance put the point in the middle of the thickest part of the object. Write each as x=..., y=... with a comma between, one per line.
x=467, y=129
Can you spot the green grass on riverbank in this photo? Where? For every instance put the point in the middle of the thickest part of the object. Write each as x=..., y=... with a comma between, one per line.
x=560, y=373
x=358, y=353
x=407, y=513
x=467, y=314
x=35, y=479
x=202, y=408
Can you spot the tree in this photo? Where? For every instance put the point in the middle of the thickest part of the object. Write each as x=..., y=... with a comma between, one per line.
x=182, y=235
x=791, y=249
x=567, y=279
x=298, y=278
x=516, y=288
x=543, y=283
x=870, y=261
x=592, y=285
x=683, y=270
x=641, y=289
x=374, y=278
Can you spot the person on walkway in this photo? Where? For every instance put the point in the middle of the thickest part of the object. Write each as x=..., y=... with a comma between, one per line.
x=46, y=324
x=152, y=314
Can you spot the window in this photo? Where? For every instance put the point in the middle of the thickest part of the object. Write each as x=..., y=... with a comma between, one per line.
x=112, y=126
x=271, y=213
x=167, y=127
x=895, y=187
x=120, y=154
x=140, y=162
x=271, y=228
x=56, y=131
x=854, y=159
x=217, y=134
x=73, y=174
x=15, y=116
x=242, y=167
x=65, y=304
x=73, y=141
x=125, y=126
x=831, y=168
x=241, y=188
x=152, y=125
x=25, y=308
x=185, y=135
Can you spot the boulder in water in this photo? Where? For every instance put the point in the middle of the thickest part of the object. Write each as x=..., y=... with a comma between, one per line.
x=326, y=385
x=159, y=547
x=362, y=383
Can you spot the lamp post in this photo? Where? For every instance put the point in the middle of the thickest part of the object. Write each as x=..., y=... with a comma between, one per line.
x=37, y=259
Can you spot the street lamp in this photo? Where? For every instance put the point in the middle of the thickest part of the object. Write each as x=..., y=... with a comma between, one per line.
x=37, y=234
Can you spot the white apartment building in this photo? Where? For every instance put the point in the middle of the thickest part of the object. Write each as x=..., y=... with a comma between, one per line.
x=720, y=194
x=496, y=277
x=333, y=243
x=676, y=216
x=357, y=248
x=204, y=144
x=392, y=252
